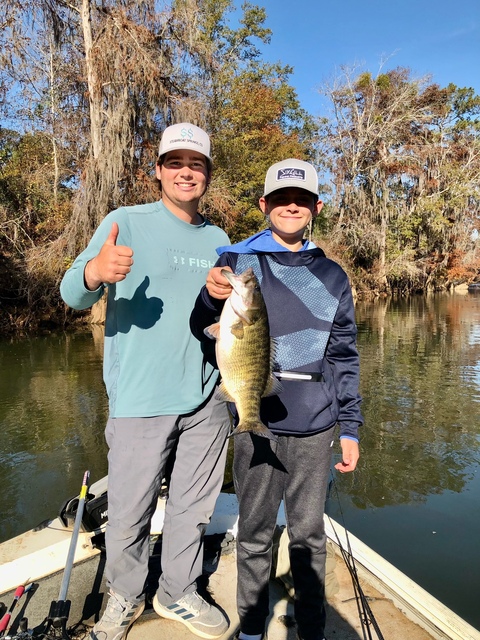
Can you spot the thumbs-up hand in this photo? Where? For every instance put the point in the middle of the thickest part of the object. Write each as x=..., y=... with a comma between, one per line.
x=112, y=263
x=113, y=235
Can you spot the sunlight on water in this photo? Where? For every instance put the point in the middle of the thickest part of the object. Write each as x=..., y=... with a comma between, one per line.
x=475, y=335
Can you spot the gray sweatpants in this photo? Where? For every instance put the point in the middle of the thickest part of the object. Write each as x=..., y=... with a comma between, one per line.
x=138, y=452
x=295, y=469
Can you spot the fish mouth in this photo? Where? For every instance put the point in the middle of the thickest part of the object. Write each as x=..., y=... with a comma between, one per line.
x=241, y=302
x=232, y=278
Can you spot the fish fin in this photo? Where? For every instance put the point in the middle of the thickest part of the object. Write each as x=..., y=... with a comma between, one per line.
x=237, y=330
x=274, y=364
x=222, y=394
x=213, y=331
x=273, y=388
x=257, y=428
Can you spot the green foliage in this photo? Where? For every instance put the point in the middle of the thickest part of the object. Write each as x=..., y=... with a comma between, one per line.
x=383, y=82
x=248, y=223
x=255, y=119
x=464, y=104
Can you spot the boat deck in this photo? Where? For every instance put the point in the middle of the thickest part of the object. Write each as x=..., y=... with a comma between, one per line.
x=401, y=608
x=342, y=617
x=88, y=594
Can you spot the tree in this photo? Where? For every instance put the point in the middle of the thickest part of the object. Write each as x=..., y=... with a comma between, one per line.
x=261, y=122
x=100, y=80
x=251, y=111
x=397, y=148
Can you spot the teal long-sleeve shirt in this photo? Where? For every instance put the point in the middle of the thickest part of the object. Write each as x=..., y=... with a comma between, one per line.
x=153, y=365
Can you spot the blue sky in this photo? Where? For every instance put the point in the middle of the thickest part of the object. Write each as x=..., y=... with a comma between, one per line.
x=317, y=37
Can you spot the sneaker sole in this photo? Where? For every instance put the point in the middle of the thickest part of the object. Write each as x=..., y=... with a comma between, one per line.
x=171, y=615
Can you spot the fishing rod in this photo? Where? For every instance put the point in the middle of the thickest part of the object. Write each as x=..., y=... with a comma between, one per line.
x=19, y=591
x=365, y=613
x=60, y=609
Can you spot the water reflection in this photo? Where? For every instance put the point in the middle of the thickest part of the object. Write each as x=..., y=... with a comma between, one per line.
x=52, y=415
x=420, y=405
x=420, y=363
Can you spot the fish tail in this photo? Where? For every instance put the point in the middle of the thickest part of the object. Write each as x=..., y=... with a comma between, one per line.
x=255, y=427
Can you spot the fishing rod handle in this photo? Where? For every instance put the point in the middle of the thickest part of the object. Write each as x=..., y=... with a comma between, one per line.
x=19, y=591
x=4, y=623
x=7, y=616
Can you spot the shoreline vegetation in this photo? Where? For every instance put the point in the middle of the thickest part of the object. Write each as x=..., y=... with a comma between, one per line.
x=17, y=321
x=84, y=97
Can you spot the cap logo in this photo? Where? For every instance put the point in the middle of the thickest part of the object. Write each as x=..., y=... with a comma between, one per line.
x=186, y=133
x=291, y=173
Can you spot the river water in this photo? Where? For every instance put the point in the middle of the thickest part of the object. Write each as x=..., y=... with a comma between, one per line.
x=415, y=497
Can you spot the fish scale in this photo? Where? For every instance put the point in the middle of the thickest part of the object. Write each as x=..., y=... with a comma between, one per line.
x=245, y=352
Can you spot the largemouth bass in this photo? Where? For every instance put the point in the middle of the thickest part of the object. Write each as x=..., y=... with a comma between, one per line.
x=245, y=352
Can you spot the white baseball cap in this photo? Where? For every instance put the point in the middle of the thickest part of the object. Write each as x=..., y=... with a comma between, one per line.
x=185, y=136
x=291, y=173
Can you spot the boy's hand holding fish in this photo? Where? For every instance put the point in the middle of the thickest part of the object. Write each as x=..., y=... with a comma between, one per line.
x=217, y=284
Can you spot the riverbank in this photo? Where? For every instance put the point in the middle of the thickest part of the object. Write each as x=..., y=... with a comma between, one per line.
x=19, y=320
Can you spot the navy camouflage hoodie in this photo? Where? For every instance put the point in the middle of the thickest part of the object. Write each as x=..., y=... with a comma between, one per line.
x=312, y=320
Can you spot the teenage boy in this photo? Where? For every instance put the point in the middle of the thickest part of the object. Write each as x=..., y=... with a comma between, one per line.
x=154, y=258
x=311, y=317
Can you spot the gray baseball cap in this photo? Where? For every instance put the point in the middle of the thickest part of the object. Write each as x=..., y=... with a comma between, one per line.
x=291, y=173
x=185, y=136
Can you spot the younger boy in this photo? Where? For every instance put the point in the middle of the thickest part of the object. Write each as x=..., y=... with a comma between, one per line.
x=311, y=317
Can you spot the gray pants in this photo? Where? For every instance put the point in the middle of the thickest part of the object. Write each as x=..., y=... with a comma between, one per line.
x=295, y=469
x=138, y=453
